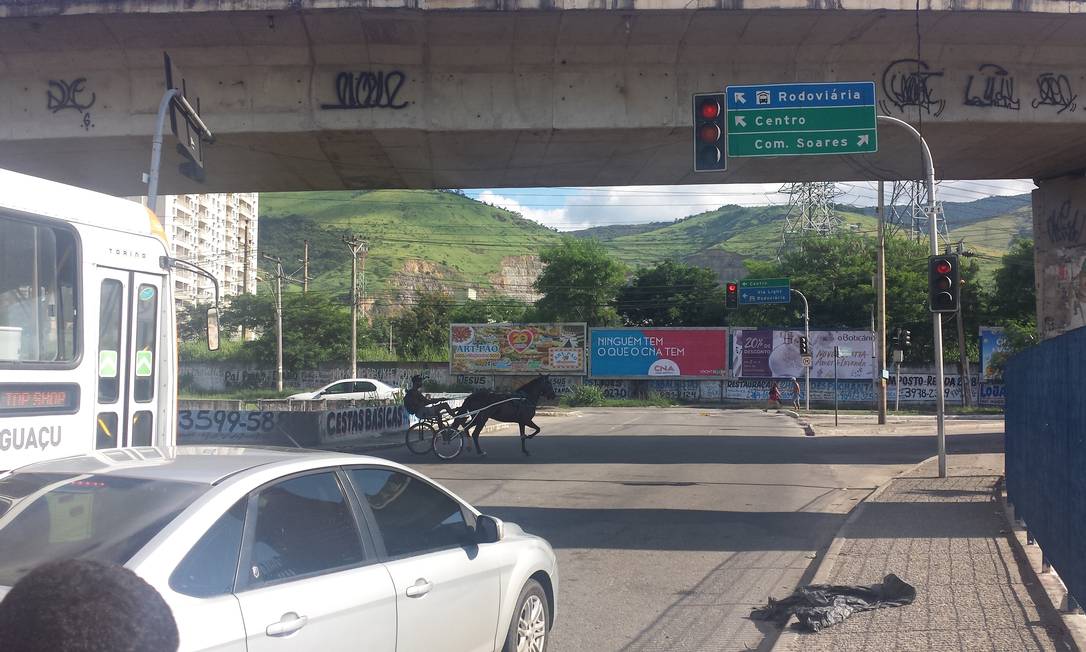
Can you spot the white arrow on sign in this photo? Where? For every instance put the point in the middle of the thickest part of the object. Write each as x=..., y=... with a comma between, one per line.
x=863, y=140
x=740, y=98
x=740, y=121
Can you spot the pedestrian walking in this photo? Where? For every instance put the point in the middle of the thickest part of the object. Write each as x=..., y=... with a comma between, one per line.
x=795, y=393
x=774, y=396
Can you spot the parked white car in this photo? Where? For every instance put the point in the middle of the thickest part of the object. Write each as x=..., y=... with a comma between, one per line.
x=353, y=389
x=259, y=549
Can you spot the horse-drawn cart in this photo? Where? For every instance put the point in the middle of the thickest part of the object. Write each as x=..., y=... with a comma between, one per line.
x=445, y=435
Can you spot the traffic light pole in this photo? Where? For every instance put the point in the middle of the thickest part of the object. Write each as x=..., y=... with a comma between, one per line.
x=806, y=334
x=937, y=318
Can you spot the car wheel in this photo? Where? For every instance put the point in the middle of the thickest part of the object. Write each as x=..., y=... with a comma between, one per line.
x=530, y=629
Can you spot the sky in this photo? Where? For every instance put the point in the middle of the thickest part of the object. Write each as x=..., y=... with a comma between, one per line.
x=568, y=209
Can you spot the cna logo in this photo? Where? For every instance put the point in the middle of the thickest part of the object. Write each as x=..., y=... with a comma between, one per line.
x=664, y=368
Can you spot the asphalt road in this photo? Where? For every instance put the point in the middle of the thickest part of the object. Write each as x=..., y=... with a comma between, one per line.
x=670, y=524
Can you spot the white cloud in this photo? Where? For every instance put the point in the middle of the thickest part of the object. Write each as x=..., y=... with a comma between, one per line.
x=552, y=217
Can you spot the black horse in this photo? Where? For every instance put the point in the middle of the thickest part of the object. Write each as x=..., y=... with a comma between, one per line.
x=520, y=410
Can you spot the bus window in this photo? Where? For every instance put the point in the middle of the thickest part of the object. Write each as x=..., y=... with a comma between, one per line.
x=146, y=327
x=109, y=341
x=142, y=431
x=37, y=293
x=108, y=436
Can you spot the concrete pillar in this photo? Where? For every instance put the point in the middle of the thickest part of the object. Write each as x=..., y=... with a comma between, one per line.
x=1059, y=231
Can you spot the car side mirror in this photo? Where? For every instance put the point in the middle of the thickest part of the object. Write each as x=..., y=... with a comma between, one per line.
x=212, y=329
x=488, y=529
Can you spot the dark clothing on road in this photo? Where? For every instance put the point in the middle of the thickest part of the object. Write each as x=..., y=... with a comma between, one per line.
x=419, y=404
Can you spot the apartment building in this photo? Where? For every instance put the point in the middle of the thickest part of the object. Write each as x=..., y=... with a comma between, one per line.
x=217, y=232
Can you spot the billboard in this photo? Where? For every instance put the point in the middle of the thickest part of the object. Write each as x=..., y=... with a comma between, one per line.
x=517, y=349
x=993, y=353
x=654, y=352
x=775, y=354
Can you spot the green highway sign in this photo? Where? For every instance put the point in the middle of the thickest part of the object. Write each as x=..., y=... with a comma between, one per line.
x=754, y=291
x=801, y=119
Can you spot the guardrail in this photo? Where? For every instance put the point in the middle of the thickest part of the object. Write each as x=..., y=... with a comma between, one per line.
x=1046, y=451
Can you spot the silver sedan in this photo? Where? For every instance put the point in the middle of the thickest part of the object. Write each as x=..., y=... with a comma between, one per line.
x=258, y=549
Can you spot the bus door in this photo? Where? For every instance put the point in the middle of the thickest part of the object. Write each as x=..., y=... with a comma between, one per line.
x=128, y=359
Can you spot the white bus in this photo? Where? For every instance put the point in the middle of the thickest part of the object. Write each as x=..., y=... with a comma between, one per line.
x=88, y=355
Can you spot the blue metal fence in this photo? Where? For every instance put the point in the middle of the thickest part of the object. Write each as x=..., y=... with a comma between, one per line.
x=1046, y=450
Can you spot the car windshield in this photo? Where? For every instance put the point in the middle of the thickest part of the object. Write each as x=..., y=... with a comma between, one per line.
x=48, y=516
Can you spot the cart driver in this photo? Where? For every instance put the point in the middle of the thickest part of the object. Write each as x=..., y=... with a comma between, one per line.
x=421, y=405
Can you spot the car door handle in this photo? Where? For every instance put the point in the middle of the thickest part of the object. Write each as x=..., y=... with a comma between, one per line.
x=288, y=624
x=420, y=588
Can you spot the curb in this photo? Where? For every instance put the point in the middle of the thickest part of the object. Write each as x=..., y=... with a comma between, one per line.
x=787, y=634
x=1051, y=587
x=808, y=429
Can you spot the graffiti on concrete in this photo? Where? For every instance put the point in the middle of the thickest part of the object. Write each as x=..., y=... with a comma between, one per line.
x=368, y=90
x=905, y=83
x=991, y=87
x=1064, y=225
x=1054, y=90
x=63, y=95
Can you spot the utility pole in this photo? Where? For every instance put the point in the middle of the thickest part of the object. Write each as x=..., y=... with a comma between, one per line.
x=357, y=247
x=807, y=335
x=963, y=358
x=278, y=321
x=305, y=266
x=880, y=290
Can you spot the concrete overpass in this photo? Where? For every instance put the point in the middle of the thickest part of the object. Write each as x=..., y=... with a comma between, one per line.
x=331, y=94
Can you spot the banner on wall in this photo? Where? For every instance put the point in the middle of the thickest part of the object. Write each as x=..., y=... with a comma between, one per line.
x=993, y=349
x=517, y=349
x=680, y=353
x=775, y=354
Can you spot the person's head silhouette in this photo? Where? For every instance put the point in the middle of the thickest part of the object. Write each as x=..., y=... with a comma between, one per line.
x=79, y=605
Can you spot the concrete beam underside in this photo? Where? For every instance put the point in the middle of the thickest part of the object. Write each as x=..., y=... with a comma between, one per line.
x=525, y=98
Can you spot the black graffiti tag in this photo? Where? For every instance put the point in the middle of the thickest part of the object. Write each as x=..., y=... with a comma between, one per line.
x=1054, y=90
x=67, y=95
x=905, y=84
x=991, y=87
x=368, y=90
x=1063, y=226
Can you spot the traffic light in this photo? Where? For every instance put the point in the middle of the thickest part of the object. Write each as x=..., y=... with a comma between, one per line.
x=709, y=132
x=731, y=295
x=895, y=340
x=944, y=283
x=906, y=339
x=804, y=348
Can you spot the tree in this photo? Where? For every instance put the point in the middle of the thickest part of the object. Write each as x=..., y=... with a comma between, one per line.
x=493, y=309
x=579, y=283
x=672, y=294
x=836, y=274
x=423, y=331
x=192, y=322
x=1014, y=296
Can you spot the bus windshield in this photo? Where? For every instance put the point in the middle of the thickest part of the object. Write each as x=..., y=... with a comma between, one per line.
x=37, y=293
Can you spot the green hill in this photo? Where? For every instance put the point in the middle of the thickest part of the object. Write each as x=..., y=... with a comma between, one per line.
x=445, y=241
x=417, y=240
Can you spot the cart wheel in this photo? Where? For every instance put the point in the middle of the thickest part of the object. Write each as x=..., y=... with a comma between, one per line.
x=448, y=442
x=420, y=438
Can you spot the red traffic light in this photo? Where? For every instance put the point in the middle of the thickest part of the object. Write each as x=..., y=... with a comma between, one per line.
x=709, y=109
x=732, y=287
x=943, y=266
